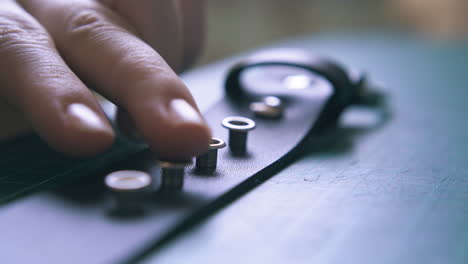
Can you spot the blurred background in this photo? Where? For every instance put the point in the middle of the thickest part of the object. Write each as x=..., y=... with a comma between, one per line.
x=238, y=25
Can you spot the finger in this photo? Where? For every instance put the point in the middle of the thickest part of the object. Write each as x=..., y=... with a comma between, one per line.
x=36, y=81
x=101, y=49
x=158, y=23
x=193, y=30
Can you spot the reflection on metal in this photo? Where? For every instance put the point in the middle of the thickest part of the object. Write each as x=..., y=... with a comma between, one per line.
x=269, y=107
x=128, y=187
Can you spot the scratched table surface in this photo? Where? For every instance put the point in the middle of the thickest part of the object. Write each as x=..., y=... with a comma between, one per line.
x=395, y=192
x=380, y=188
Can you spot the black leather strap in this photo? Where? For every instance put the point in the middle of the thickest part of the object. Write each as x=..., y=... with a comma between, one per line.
x=77, y=213
x=326, y=68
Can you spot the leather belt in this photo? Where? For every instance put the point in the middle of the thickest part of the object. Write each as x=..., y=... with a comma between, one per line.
x=314, y=92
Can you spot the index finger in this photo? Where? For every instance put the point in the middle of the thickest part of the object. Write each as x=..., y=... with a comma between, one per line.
x=100, y=46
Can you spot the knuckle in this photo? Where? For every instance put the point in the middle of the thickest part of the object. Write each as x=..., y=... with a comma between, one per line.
x=84, y=22
x=16, y=31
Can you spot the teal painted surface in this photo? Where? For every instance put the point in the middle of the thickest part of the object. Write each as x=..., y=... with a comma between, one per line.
x=394, y=193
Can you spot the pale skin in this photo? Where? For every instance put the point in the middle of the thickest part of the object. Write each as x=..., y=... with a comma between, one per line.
x=52, y=52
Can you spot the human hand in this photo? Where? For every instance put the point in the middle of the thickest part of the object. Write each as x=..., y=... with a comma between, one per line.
x=49, y=49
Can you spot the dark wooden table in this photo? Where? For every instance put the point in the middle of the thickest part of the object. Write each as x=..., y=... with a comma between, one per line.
x=381, y=192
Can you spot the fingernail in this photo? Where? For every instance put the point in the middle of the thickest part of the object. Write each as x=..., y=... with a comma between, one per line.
x=85, y=118
x=184, y=112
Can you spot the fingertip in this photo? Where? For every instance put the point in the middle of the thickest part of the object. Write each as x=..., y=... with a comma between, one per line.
x=174, y=130
x=89, y=132
x=182, y=141
x=79, y=132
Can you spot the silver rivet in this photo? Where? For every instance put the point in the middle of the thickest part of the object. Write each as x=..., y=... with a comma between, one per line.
x=238, y=129
x=208, y=161
x=269, y=107
x=172, y=176
x=128, y=187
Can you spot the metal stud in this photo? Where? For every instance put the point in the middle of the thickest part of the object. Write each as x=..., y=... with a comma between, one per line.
x=269, y=107
x=173, y=174
x=128, y=187
x=208, y=161
x=238, y=131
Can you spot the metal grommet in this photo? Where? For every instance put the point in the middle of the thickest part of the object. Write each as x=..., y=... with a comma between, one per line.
x=172, y=176
x=238, y=130
x=128, y=187
x=208, y=161
x=269, y=107
x=217, y=143
x=127, y=180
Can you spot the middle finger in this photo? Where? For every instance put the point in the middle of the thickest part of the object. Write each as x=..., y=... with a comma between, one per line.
x=158, y=22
